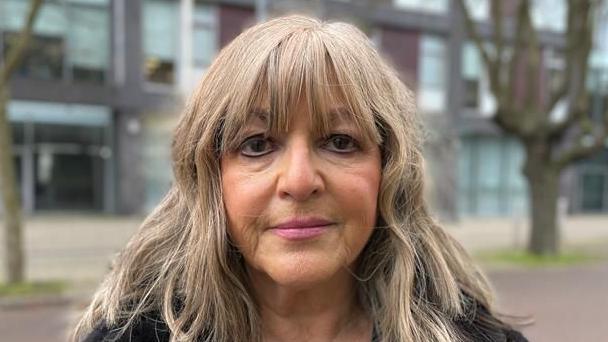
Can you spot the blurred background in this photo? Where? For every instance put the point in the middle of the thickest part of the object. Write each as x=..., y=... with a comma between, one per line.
x=100, y=86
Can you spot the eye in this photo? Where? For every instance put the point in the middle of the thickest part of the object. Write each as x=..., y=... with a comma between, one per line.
x=256, y=146
x=341, y=143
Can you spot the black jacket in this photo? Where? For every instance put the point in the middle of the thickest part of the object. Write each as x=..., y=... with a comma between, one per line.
x=153, y=330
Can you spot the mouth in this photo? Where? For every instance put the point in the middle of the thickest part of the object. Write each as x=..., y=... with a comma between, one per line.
x=302, y=228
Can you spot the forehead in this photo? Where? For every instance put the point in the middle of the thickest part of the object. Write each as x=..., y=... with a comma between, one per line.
x=334, y=115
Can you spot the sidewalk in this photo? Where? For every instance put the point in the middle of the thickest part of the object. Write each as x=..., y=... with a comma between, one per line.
x=488, y=234
x=80, y=247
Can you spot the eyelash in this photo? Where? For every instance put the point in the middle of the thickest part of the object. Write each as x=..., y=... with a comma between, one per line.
x=353, y=145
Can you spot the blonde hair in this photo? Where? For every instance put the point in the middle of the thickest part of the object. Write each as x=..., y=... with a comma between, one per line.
x=413, y=279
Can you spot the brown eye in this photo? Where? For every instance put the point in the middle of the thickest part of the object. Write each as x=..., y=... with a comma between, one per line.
x=256, y=146
x=341, y=143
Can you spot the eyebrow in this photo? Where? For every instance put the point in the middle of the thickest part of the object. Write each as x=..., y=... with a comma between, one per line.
x=338, y=114
x=259, y=113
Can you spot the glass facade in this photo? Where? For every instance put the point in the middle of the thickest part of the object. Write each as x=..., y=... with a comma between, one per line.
x=592, y=184
x=490, y=180
x=70, y=41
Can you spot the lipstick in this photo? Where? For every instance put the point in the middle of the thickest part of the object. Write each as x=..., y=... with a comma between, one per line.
x=302, y=228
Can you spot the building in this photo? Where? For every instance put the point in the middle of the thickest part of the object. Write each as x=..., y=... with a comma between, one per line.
x=93, y=104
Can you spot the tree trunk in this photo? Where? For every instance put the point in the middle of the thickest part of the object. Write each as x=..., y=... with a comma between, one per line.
x=10, y=198
x=543, y=185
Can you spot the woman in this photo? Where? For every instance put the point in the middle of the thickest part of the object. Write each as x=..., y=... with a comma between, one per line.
x=297, y=212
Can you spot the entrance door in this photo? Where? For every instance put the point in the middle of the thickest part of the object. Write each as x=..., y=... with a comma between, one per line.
x=68, y=167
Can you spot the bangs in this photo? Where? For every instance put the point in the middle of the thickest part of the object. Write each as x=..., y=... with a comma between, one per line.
x=301, y=67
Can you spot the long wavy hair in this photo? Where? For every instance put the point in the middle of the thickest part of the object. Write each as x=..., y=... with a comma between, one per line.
x=413, y=279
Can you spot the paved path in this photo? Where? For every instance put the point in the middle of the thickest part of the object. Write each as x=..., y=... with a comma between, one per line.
x=569, y=305
x=35, y=323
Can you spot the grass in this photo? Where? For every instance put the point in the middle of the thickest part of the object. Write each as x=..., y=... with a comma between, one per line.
x=32, y=289
x=522, y=258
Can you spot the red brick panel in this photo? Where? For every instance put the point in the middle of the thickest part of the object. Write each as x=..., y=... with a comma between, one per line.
x=233, y=19
x=402, y=47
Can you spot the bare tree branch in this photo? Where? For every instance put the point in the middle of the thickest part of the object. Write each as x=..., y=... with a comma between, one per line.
x=499, y=38
x=502, y=87
x=489, y=61
x=532, y=51
x=516, y=56
x=579, y=41
x=581, y=151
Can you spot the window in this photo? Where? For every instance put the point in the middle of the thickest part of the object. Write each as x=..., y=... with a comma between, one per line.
x=89, y=30
x=160, y=25
x=70, y=39
x=597, y=85
x=43, y=58
x=549, y=14
x=601, y=28
x=554, y=63
x=477, y=93
x=471, y=72
x=432, y=74
x=554, y=66
x=593, y=187
x=432, y=6
x=597, y=79
x=18, y=132
x=45, y=55
x=204, y=37
x=478, y=9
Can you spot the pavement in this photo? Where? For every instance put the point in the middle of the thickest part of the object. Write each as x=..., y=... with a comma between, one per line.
x=567, y=303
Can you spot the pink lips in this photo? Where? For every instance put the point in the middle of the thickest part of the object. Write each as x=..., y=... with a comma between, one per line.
x=301, y=228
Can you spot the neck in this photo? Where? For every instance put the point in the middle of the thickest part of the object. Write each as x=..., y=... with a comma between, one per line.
x=327, y=311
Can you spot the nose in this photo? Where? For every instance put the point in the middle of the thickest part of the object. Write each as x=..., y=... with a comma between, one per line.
x=299, y=177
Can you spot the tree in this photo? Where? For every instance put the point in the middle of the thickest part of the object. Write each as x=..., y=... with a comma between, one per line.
x=550, y=145
x=13, y=240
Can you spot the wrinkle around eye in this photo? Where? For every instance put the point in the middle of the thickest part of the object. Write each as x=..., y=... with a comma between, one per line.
x=354, y=145
x=268, y=146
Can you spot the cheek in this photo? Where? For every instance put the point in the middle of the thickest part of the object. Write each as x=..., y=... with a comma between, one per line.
x=245, y=199
x=357, y=194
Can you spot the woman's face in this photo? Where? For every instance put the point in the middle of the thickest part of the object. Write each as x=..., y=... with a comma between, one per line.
x=301, y=207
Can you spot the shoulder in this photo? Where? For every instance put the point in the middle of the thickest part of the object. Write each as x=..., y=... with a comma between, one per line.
x=480, y=331
x=146, y=329
x=480, y=325
x=515, y=336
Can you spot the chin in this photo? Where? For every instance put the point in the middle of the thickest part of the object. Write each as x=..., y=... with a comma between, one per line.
x=302, y=271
